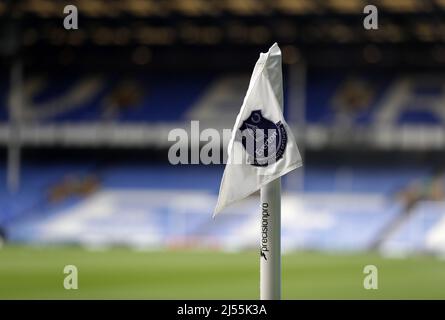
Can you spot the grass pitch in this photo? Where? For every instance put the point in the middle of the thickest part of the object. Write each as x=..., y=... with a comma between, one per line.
x=37, y=273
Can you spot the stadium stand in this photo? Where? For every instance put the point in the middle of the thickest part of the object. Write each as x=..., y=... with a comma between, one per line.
x=126, y=81
x=363, y=99
x=339, y=211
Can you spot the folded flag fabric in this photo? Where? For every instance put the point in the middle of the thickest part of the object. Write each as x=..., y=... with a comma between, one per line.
x=262, y=148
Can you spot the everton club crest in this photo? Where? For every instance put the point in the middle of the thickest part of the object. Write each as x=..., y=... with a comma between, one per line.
x=263, y=140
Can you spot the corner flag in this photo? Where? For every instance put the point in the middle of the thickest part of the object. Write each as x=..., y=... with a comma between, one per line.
x=262, y=149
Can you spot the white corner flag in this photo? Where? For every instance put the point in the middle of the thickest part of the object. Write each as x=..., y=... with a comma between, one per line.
x=262, y=149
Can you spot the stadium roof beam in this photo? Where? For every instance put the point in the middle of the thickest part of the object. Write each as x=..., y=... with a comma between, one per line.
x=405, y=6
x=193, y=7
x=296, y=7
x=440, y=3
x=211, y=8
x=346, y=6
x=143, y=8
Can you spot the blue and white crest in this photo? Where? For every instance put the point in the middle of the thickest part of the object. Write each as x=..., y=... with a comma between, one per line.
x=263, y=140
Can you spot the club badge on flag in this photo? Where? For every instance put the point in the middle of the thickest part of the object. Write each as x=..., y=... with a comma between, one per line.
x=262, y=147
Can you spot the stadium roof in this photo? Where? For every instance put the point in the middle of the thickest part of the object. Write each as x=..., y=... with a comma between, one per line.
x=199, y=8
x=411, y=32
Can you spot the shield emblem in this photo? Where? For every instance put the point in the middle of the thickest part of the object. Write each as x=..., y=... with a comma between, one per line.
x=263, y=140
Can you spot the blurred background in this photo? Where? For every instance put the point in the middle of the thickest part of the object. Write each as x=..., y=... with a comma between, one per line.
x=85, y=115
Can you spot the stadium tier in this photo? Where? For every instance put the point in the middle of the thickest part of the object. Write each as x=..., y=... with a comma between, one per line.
x=339, y=99
x=154, y=206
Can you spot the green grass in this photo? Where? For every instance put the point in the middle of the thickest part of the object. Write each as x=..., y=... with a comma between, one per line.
x=37, y=273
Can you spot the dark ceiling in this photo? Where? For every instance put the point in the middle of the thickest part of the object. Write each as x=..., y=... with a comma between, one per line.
x=228, y=34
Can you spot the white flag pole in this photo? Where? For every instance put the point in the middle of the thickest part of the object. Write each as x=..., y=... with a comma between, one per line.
x=262, y=108
x=270, y=258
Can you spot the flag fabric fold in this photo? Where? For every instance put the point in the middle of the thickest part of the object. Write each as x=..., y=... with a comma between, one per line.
x=262, y=148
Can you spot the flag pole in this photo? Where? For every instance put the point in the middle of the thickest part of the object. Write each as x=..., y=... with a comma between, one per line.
x=270, y=257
